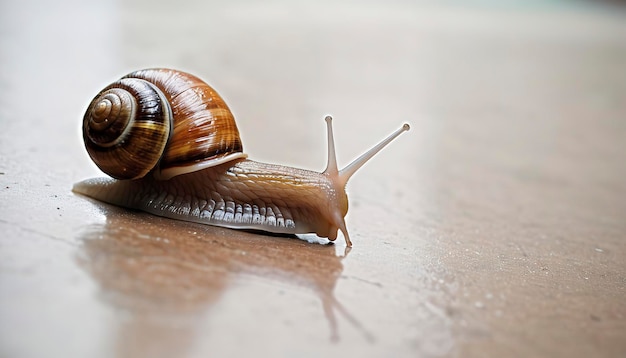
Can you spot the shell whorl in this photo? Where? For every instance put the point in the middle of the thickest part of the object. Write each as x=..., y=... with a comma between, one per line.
x=160, y=120
x=126, y=127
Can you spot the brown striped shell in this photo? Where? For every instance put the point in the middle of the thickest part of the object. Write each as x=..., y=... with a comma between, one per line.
x=162, y=121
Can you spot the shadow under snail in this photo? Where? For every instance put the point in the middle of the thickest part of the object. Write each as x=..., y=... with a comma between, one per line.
x=173, y=147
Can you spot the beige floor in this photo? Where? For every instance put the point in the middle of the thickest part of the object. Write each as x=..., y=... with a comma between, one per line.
x=495, y=227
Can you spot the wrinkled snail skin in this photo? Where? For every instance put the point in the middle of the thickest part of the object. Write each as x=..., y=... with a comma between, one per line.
x=246, y=195
x=173, y=146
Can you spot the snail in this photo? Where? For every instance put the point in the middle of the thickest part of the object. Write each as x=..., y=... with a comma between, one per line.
x=172, y=146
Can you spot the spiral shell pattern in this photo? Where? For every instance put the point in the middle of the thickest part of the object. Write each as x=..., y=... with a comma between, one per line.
x=158, y=120
x=126, y=127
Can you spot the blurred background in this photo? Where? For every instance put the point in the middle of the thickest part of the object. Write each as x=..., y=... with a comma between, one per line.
x=371, y=63
x=495, y=227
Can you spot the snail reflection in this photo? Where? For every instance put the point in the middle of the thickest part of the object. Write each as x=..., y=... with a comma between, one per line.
x=173, y=146
x=161, y=271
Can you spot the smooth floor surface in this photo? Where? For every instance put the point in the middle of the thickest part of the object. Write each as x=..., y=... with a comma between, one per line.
x=495, y=227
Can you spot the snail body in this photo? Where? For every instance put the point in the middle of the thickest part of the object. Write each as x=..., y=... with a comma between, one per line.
x=173, y=149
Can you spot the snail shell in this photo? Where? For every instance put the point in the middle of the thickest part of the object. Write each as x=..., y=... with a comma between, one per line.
x=153, y=125
x=159, y=120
